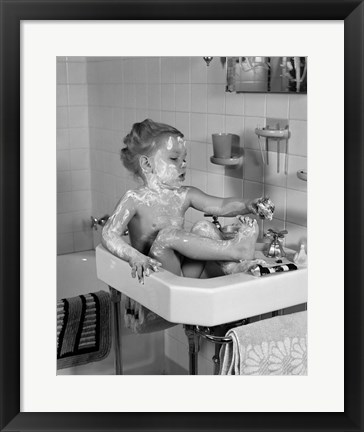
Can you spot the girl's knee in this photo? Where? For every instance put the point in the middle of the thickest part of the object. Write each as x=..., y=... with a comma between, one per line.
x=206, y=229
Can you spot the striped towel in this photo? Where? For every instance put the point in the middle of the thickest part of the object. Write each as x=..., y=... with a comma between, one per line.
x=83, y=329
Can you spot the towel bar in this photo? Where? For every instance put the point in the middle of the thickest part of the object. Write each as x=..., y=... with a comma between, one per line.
x=193, y=332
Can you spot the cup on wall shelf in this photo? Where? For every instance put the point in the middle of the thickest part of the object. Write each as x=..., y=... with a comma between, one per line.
x=222, y=145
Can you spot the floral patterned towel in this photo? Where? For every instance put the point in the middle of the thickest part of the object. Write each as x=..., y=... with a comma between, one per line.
x=275, y=346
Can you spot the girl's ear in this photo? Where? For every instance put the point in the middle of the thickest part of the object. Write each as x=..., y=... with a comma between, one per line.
x=145, y=164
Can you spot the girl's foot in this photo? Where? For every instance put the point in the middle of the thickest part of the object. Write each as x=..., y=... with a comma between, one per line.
x=243, y=266
x=246, y=238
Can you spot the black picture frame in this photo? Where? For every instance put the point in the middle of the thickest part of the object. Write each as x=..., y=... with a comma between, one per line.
x=12, y=12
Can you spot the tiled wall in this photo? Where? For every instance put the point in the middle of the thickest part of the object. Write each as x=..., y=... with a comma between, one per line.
x=187, y=94
x=73, y=157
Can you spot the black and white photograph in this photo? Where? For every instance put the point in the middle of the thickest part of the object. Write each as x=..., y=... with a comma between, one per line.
x=182, y=244
x=181, y=233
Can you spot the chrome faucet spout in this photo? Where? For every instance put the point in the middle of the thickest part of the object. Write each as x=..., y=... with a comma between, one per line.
x=275, y=248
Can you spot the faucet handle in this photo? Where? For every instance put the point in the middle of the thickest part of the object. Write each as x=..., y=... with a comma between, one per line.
x=275, y=234
x=94, y=222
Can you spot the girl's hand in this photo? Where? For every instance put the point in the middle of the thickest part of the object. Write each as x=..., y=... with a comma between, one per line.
x=141, y=266
x=263, y=207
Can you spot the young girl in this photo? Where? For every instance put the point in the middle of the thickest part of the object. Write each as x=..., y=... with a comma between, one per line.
x=154, y=213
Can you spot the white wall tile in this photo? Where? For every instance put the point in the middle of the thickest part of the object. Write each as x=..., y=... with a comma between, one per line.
x=216, y=98
x=62, y=139
x=63, y=160
x=254, y=105
x=64, y=223
x=182, y=70
x=154, y=96
x=168, y=117
x=153, y=70
x=117, y=120
x=298, y=107
x=77, y=73
x=62, y=95
x=116, y=72
x=168, y=69
x=278, y=196
x=83, y=240
x=118, y=95
x=78, y=117
x=129, y=119
x=154, y=115
x=205, y=367
x=252, y=190
x=183, y=100
x=215, y=184
x=130, y=98
x=216, y=72
x=80, y=159
x=79, y=138
x=250, y=137
x=81, y=180
x=198, y=127
x=296, y=236
x=82, y=220
x=64, y=181
x=277, y=106
x=140, y=64
x=81, y=200
x=234, y=103
x=198, y=156
x=62, y=117
x=78, y=94
x=233, y=187
x=199, y=98
x=64, y=202
x=129, y=71
x=61, y=73
x=199, y=179
x=235, y=125
x=64, y=243
x=271, y=175
x=297, y=207
x=141, y=96
x=183, y=124
x=296, y=163
x=168, y=97
x=253, y=166
x=298, y=140
x=198, y=70
x=106, y=95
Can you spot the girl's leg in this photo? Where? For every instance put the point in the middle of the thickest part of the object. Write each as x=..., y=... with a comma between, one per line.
x=193, y=268
x=197, y=247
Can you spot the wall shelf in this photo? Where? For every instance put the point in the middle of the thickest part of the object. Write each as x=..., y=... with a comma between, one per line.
x=233, y=161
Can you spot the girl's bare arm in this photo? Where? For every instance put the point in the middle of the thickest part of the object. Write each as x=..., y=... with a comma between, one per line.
x=225, y=206
x=112, y=239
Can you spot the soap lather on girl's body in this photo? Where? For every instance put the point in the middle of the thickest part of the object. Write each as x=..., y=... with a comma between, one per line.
x=154, y=213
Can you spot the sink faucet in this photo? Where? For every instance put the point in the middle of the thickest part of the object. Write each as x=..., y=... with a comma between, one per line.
x=275, y=248
x=101, y=221
x=215, y=220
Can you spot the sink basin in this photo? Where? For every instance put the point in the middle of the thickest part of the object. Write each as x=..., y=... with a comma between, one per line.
x=205, y=302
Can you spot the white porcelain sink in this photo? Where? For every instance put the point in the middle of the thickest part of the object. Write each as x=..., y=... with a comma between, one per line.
x=205, y=302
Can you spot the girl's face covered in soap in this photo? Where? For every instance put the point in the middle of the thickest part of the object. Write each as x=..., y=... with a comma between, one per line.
x=169, y=162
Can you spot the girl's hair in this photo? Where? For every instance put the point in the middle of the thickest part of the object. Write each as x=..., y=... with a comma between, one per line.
x=142, y=140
